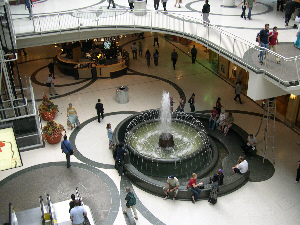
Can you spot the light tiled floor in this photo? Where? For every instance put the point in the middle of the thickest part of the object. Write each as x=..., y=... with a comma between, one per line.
x=275, y=201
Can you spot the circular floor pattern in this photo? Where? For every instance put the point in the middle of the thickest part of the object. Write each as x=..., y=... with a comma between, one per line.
x=24, y=188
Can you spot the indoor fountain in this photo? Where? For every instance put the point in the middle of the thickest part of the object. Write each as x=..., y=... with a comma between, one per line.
x=161, y=142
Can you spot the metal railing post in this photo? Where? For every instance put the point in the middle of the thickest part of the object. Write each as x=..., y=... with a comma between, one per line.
x=297, y=67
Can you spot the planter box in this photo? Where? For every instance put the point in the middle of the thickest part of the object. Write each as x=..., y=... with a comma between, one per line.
x=53, y=139
x=48, y=115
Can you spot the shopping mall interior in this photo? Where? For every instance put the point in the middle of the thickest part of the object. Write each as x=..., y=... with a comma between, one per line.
x=91, y=68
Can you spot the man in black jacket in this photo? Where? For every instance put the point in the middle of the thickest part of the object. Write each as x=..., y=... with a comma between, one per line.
x=100, y=109
x=289, y=10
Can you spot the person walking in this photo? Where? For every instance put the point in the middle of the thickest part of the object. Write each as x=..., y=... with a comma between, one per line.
x=130, y=203
x=174, y=58
x=148, y=57
x=155, y=39
x=134, y=50
x=67, y=148
x=238, y=90
x=205, y=12
x=250, y=6
x=28, y=4
x=156, y=4
x=51, y=68
x=155, y=57
x=244, y=2
x=280, y=5
x=50, y=84
x=72, y=116
x=273, y=42
x=178, y=2
x=100, y=110
x=131, y=4
x=263, y=40
x=111, y=2
x=164, y=4
x=78, y=213
x=297, y=42
x=140, y=49
x=289, y=10
x=194, y=54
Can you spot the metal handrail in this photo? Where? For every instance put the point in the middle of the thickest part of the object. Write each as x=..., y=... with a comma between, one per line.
x=212, y=36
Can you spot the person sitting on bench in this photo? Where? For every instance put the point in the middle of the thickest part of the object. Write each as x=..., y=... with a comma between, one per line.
x=250, y=146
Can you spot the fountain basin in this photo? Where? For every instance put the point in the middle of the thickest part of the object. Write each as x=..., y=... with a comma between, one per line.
x=199, y=158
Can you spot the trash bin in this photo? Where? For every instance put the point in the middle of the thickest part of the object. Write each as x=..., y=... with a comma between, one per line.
x=122, y=94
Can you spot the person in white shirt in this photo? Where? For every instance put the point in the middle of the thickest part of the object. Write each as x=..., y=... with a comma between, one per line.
x=77, y=214
x=250, y=146
x=241, y=167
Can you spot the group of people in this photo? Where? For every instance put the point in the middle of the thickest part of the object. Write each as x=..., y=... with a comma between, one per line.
x=194, y=187
x=218, y=118
x=246, y=4
x=182, y=102
x=267, y=40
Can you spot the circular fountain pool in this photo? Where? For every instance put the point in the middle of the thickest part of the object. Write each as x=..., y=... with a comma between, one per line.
x=144, y=139
x=186, y=147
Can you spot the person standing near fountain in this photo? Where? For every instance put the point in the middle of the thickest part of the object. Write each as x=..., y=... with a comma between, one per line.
x=172, y=186
x=121, y=152
x=194, y=187
x=181, y=104
x=192, y=102
x=110, y=135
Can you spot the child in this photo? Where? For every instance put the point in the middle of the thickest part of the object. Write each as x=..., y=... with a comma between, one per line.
x=110, y=135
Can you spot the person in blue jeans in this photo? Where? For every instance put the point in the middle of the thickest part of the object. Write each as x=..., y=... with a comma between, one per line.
x=194, y=187
x=213, y=118
x=250, y=6
x=263, y=40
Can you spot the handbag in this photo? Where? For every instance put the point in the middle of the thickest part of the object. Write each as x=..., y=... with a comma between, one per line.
x=48, y=84
x=77, y=122
x=86, y=221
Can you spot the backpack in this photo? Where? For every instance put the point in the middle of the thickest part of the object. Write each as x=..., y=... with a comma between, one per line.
x=258, y=34
x=132, y=200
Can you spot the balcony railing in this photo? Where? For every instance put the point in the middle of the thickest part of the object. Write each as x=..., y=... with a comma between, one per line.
x=237, y=49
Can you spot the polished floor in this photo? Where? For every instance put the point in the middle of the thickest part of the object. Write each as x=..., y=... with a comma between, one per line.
x=273, y=201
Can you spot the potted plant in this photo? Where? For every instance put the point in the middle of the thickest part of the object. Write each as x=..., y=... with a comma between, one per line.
x=47, y=109
x=52, y=132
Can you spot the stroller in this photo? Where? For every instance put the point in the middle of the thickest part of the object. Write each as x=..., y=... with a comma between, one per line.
x=213, y=195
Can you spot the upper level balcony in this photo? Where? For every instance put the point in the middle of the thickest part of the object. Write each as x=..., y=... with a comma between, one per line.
x=95, y=20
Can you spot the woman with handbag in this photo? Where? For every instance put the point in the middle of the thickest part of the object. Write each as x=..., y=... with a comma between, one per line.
x=72, y=116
